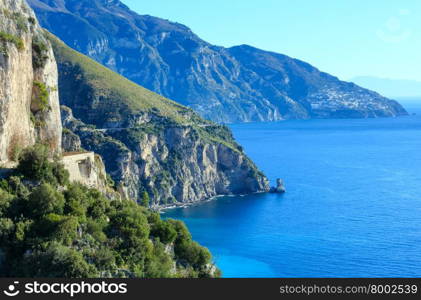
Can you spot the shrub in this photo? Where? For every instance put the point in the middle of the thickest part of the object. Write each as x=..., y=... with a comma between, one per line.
x=10, y=38
x=187, y=250
x=32, y=20
x=62, y=229
x=60, y=173
x=39, y=53
x=21, y=22
x=5, y=201
x=165, y=231
x=57, y=261
x=104, y=259
x=145, y=199
x=40, y=97
x=45, y=200
x=48, y=231
x=7, y=227
x=34, y=164
x=96, y=229
x=159, y=264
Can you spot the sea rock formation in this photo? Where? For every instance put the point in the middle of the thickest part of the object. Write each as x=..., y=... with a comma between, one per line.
x=279, y=188
x=238, y=84
x=29, y=104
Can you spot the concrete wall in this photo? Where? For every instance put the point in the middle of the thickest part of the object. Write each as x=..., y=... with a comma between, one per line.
x=85, y=168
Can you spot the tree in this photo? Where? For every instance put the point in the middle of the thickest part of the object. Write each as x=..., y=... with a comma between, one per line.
x=165, y=231
x=50, y=228
x=145, y=199
x=5, y=201
x=45, y=200
x=56, y=261
x=35, y=164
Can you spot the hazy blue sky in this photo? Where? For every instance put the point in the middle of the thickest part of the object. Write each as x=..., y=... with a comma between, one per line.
x=344, y=37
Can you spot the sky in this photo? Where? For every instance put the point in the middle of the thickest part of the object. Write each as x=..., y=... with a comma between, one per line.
x=346, y=38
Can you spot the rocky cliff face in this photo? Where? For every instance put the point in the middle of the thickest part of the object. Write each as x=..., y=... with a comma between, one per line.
x=29, y=106
x=175, y=165
x=239, y=84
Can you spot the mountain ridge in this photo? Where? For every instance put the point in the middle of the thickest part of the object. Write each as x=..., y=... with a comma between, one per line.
x=219, y=83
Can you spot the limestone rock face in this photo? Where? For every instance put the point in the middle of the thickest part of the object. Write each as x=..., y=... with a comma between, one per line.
x=71, y=142
x=175, y=166
x=178, y=167
x=29, y=104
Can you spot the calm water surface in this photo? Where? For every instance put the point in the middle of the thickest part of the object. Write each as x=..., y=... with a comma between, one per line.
x=353, y=207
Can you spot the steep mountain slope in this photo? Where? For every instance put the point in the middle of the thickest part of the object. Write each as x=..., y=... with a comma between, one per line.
x=149, y=143
x=29, y=106
x=238, y=84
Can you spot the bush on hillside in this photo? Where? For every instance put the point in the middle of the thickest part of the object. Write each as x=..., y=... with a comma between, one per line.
x=52, y=228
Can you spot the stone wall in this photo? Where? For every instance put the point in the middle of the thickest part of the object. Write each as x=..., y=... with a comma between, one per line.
x=86, y=168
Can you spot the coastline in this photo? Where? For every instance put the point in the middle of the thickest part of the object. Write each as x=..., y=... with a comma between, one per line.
x=162, y=209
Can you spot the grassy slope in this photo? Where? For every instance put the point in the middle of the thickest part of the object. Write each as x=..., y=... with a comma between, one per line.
x=109, y=84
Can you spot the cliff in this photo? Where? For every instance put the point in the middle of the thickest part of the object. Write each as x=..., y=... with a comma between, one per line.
x=29, y=105
x=238, y=84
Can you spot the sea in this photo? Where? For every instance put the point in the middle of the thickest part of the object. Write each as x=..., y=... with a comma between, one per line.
x=352, y=207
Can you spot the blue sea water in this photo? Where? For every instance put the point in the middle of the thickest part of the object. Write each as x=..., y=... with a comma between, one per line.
x=353, y=206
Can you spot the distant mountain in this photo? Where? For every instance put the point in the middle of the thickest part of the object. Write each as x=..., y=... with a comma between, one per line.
x=239, y=84
x=395, y=88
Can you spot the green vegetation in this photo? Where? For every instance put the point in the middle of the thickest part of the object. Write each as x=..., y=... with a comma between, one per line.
x=40, y=97
x=51, y=228
x=37, y=121
x=115, y=99
x=34, y=164
x=22, y=26
x=67, y=131
x=219, y=134
x=39, y=52
x=113, y=89
x=32, y=20
x=145, y=199
x=10, y=38
x=20, y=19
x=21, y=22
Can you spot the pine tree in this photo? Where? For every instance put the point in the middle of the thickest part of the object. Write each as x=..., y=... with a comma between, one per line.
x=145, y=199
